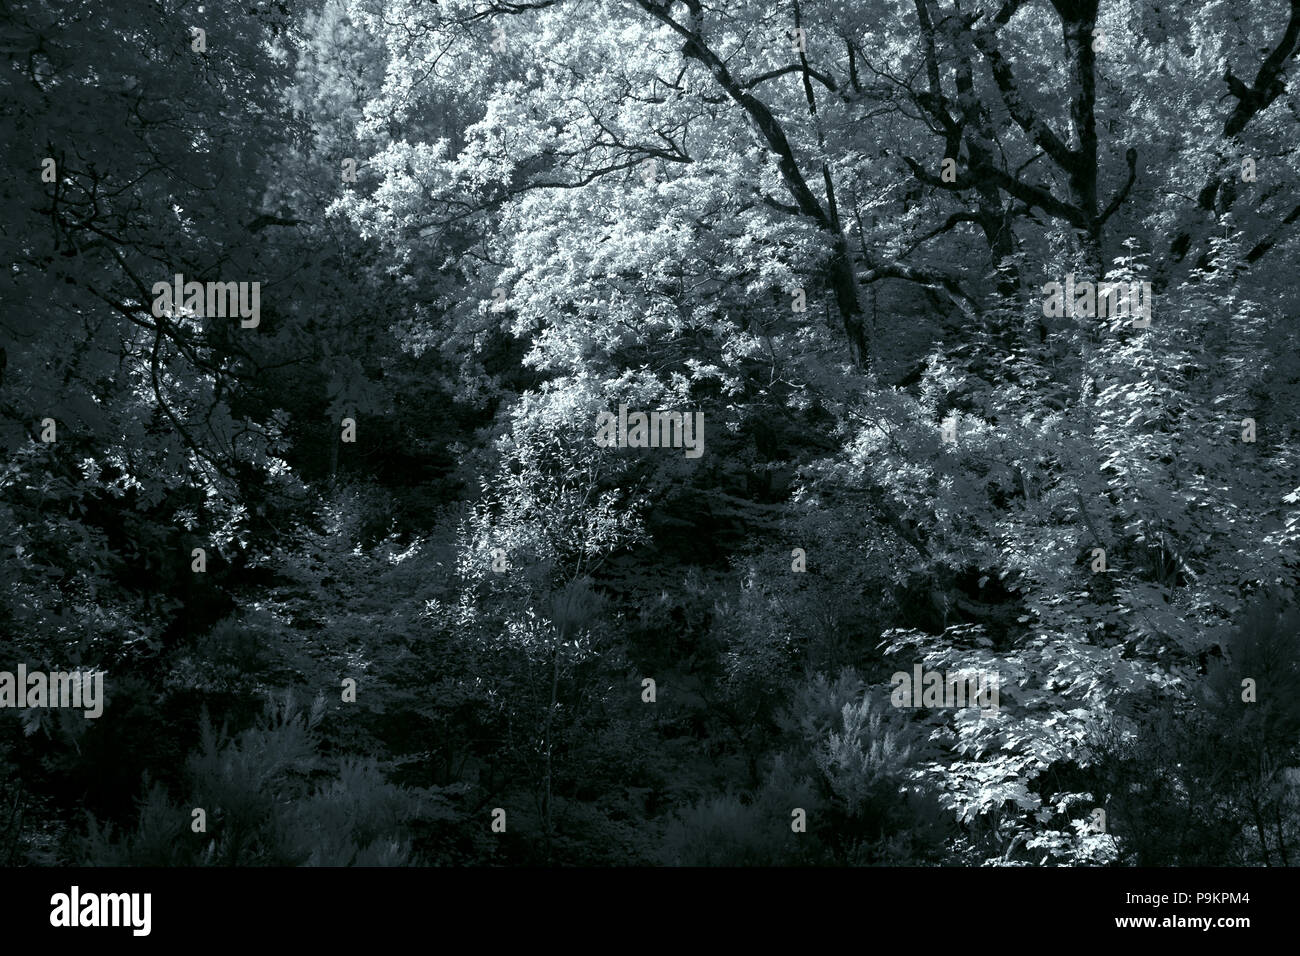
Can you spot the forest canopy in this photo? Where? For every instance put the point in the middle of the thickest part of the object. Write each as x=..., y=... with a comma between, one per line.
x=609, y=432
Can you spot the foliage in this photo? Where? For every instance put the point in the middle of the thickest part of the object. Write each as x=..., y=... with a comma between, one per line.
x=836, y=251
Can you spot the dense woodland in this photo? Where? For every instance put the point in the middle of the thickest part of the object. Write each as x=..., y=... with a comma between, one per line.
x=426, y=594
